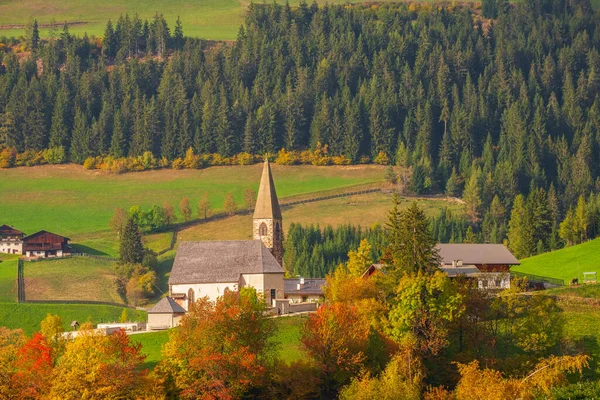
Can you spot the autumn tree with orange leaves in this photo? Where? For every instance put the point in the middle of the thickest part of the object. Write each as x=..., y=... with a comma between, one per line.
x=220, y=349
x=342, y=342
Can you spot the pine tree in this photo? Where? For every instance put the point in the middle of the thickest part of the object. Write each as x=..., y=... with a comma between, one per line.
x=411, y=245
x=118, y=147
x=472, y=197
x=520, y=235
x=59, y=131
x=178, y=34
x=131, y=250
x=80, y=145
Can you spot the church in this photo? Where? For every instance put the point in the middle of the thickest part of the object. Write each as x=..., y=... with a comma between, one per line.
x=210, y=268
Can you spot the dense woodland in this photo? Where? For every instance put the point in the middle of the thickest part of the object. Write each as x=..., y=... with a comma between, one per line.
x=481, y=109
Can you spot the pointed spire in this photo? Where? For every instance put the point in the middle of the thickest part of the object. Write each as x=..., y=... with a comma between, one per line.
x=267, y=206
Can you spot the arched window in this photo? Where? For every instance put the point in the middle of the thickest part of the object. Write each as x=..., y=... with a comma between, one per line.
x=191, y=298
x=262, y=229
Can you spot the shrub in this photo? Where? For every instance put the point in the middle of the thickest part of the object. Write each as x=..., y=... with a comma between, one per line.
x=382, y=158
x=244, y=159
x=177, y=164
x=287, y=157
x=7, y=157
x=90, y=163
x=341, y=160
x=55, y=155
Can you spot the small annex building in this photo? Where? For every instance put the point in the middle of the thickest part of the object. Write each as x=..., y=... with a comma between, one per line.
x=488, y=264
x=165, y=314
x=303, y=290
x=45, y=244
x=11, y=240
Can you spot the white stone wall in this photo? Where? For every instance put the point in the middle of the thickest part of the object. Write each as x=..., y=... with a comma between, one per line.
x=162, y=321
x=269, y=240
x=263, y=283
x=297, y=298
x=11, y=247
x=493, y=280
x=212, y=290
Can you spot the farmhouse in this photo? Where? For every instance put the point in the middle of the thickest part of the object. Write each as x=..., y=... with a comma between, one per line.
x=11, y=240
x=302, y=290
x=211, y=268
x=488, y=264
x=44, y=244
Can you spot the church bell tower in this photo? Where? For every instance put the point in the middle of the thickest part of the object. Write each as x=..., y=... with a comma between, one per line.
x=267, y=221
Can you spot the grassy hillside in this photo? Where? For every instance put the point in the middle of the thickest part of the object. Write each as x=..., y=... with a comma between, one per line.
x=286, y=341
x=78, y=203
x=209, y=19
x=364, y=210
x=76, y=278
x=8, y=278
x=567, y=263
x=28, y=316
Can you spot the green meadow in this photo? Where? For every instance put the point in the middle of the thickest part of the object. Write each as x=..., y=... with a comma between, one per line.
x=27, y=316
x=286, y=341
x=78, y=203
x=74, y=278
x=568, y=263
x=207, y=19
x=8, y=278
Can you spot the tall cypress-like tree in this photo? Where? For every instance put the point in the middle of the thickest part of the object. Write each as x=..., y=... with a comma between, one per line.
x=411, y=244
x=80, y=145
x=131, y=249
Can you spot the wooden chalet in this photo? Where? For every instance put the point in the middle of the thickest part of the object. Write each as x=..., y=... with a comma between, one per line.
x=487, y=264
x=44, y=244
x=11, y=240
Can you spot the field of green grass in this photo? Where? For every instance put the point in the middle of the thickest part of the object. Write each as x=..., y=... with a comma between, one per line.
x=77, y=203
x=151, y=346
x=566, y=264
x=286, y=341
x=584, y=291
x=27, y=316
x=74, y=278
x=208, y=19
x=8, y=278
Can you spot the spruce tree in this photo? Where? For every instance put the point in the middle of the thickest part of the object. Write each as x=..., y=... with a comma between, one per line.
x=411, y=244
x=131, y=249
x=80, y=145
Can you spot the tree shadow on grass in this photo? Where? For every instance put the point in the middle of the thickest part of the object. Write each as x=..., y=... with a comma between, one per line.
x=79, y=248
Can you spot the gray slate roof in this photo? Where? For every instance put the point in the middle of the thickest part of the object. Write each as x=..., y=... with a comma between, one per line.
x=311, y=286
x=267, y=205
x=166, y=306
x=476, y=254
x=221, y=261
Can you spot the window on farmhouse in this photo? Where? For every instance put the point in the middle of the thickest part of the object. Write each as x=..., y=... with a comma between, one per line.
x=262, y=230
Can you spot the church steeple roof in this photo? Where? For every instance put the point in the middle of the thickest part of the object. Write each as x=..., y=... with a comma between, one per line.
x=267, y=205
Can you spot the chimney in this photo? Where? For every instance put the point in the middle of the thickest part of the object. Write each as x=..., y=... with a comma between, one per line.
x=302, y=281
x=453, y=263
x=298, y=286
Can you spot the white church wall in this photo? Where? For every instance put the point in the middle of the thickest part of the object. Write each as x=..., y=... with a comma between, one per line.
x=212, y=290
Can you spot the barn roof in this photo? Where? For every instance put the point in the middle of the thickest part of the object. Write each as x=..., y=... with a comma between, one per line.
x=267, y=205
x=479, y=254
x=9, y=230
x=221, y=261
x=45, y=235
x=166, y=306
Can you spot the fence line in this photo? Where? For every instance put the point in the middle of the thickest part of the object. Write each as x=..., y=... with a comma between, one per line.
x=538, y=278
x=103, y=303
x=20, y=282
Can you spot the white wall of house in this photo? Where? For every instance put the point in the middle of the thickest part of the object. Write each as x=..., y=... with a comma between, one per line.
x=162, y=321
x=212, y=290
x=493, y=280
x=299, y=298
x=263, y=283
x=11, y=247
